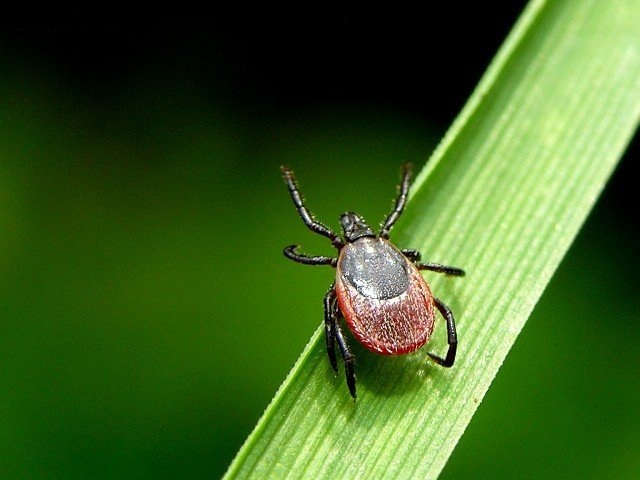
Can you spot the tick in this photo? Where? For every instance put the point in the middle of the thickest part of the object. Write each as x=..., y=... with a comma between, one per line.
x=378, y=288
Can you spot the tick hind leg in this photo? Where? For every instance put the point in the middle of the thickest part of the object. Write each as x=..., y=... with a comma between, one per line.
x=452, y=336
x=329, y=327
x=333, y=333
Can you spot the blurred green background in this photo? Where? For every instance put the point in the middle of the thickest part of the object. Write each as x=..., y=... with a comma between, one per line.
x=147, y=315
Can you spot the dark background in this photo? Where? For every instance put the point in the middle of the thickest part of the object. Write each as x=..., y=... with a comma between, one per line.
x=146, y=314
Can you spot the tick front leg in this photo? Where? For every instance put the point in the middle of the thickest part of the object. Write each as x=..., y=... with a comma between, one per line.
x=305, y=214
x=452, y=336
x=401, y=201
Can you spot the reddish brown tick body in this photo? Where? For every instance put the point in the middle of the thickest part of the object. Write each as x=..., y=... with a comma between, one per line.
x=385, y=301
x=378, y=289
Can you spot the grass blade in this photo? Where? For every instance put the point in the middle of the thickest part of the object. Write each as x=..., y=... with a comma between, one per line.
x=503, y=197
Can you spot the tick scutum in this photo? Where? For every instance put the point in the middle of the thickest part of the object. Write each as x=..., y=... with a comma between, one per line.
x=374, y=268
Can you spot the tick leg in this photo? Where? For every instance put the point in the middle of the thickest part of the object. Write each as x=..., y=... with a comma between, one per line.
x=290, y=252
x=329, y=326
x=333, y=332
x=415, y=256
x=347, y=356
x=452, y=337
x=411, y=254
x=401, y=201
x=305, y=214
x=436, y=267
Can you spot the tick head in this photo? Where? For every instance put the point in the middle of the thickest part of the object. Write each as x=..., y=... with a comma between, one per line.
x=354, y=227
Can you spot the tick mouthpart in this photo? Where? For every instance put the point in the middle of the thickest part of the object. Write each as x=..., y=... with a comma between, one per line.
x=354, y=227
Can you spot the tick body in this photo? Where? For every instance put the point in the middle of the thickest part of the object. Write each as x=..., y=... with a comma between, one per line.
x=386, y=303
x=378, y=289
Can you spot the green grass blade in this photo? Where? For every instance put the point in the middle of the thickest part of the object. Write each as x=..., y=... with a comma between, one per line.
x=503, y=197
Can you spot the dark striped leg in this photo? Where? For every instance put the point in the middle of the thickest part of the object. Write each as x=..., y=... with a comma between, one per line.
x=333, y=333
x=452, y=336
